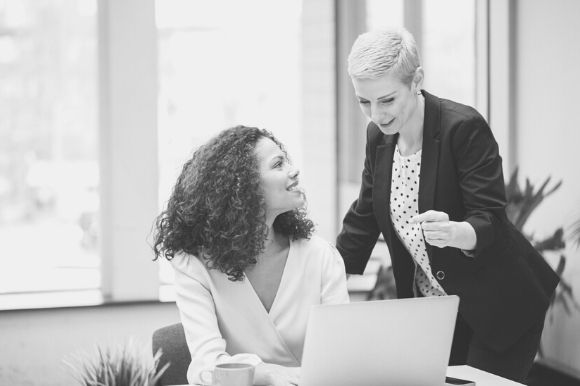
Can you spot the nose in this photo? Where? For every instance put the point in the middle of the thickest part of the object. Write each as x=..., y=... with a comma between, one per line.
x=376, y=114
x=293, y=173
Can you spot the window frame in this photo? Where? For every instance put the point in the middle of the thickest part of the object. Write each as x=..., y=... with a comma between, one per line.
x=128, y=78
x=128, y=174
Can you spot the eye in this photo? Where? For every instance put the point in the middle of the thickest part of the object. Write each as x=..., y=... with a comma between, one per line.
x=387, y=101
x=363, y=102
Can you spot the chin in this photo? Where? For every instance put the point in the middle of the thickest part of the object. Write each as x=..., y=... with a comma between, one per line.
x=299, y=205
x=389, y=131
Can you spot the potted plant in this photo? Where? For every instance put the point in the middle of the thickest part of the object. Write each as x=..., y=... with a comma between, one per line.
x=122, y=365
x=521, y=204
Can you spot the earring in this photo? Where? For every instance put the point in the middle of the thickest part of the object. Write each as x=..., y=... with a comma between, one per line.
x=418, y=92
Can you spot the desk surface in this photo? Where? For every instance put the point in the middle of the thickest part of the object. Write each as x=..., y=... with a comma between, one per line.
x=481, y=378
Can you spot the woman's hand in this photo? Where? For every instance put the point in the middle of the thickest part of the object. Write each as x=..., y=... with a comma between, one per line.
x=440, y=232
x=276, y=375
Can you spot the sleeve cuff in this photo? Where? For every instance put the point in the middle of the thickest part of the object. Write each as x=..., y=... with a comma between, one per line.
x=470, y=254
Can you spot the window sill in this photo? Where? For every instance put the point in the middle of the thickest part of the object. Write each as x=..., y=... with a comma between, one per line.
x=56, y=299
x=66, y=299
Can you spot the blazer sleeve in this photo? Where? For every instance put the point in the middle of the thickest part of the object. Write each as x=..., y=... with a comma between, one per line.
x=360, y=230
x=198, y=316
x=480, y=174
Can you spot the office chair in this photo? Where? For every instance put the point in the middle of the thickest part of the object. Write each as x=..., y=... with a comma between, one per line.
x=171, y=340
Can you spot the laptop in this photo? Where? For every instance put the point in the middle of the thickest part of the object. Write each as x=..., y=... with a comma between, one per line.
x=403, y=342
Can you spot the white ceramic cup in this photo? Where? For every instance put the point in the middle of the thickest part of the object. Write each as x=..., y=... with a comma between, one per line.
x=229, y=374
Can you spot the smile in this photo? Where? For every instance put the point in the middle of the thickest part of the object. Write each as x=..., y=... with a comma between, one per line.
x=294, y=187
x=388, y=124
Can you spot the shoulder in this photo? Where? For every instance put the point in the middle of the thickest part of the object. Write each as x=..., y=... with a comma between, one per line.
x=186, y=265
x=457, y=122
x=316, y=248
x=315, y=242
x=455, y=115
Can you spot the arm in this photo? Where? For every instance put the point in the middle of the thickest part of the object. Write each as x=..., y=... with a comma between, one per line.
x=360, y=230
x=480, y=177
x=334, y=289
x=479, y=168
x=206, y=344
x=481, y=182
x=197, y=311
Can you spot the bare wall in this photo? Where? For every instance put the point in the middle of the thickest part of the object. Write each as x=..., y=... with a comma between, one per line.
x=548, y=141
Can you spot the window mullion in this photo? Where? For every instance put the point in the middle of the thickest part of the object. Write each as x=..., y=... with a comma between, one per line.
x=128, y=148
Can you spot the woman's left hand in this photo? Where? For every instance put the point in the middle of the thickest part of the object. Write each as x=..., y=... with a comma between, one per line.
x=437, y=229
x=440, y=232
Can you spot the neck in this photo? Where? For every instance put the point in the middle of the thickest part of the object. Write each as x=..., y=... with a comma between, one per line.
x=273, y=243
x=411, y=139
x=272, y=240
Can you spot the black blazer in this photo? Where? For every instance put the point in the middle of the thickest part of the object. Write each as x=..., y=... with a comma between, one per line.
x=507, y=285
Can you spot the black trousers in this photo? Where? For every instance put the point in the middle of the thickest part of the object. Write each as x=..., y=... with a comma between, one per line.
x=513, y=363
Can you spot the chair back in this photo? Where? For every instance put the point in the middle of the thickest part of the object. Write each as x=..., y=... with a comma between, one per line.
x=171, y=341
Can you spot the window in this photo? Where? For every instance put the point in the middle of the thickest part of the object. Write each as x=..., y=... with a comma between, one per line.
x=448, y=50
x=48, y=146
x=383, y=13
x=219, y=69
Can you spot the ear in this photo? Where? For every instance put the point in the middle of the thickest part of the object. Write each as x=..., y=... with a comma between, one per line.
x=418, y=79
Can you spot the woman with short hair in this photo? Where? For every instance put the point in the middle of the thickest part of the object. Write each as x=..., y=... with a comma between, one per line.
x=433, y=186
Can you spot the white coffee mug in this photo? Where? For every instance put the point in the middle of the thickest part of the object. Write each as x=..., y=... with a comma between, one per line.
x=229, y=374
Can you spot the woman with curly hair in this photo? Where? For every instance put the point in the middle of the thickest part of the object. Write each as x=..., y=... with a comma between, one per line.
x=247, y=267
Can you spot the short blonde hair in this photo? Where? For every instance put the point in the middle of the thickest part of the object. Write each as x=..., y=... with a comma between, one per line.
x=374, y=53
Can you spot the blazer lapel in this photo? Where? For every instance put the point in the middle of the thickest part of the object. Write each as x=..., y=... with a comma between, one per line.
x=429, y=157
x=382, y=181
x=429, y=154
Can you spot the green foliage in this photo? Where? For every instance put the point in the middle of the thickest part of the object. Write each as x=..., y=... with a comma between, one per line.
x=123, y=365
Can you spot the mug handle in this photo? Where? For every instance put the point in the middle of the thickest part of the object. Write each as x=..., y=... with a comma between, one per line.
x=206, y=381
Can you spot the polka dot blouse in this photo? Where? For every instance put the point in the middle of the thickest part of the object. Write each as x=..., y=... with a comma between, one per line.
x=404, y=205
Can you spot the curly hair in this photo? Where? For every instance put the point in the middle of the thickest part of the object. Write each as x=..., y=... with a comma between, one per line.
x=216, y=210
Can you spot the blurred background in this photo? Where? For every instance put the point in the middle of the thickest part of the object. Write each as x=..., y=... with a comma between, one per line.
x=102, y=101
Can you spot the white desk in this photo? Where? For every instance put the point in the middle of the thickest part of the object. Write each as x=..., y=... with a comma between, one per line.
x=481, y=378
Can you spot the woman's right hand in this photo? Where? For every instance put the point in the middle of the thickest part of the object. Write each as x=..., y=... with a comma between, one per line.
x=276, y=375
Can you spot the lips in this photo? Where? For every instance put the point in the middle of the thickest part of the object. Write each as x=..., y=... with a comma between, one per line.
x=293, y=186
x=385, y=125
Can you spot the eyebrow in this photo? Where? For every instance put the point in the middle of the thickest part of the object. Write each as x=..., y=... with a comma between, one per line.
x=381, y=97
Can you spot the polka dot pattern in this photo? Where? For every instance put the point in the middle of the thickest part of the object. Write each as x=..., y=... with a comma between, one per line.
x=404, y=205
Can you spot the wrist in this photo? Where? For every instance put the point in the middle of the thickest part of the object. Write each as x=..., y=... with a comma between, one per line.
x=464, y=236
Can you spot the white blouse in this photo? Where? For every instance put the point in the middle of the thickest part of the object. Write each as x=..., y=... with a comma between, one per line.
x=225, y=321
x=404, y=205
